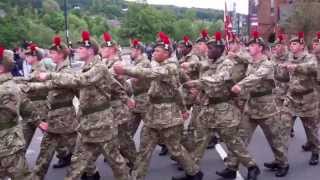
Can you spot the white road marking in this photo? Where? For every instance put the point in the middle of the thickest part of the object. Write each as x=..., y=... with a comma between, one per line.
x=222, y=153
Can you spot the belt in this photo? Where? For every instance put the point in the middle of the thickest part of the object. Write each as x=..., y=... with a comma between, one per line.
x=260, y=94
x=60, y=105
x=162, y=100
x=218, y=100
x=91, y=110
x=7, y=125
x=302, y=93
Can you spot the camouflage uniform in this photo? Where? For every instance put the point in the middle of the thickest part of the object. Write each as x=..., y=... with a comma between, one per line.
x=62, y=125
x=97, y=130
x=139, y=89
x=39, y=100
x=261, y=110
x=194, y=134
x=219, y=110
x=301, y=96
x=13, y=106
x=162, y=123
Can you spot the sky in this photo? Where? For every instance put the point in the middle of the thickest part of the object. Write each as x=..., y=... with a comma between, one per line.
x=242, y=5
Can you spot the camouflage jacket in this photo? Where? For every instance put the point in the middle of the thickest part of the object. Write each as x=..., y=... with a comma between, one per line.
x=222, y=102
x=165, y=98
x=259, y=81
x=301, y=95
x=139, y=87
x=192, y=73
x=13, y=107
x=119, y=109
x=61, y=115
x=97, y=87
x=281, y=76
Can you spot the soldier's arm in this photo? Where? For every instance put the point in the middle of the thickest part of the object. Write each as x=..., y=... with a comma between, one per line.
x=222, y=75
x=194, y=63
x=147, y=73
x=281, y=74
x=253, y=79
x=243, y=57
x=28, y=110
x=68, y=80
x=309, y=67
x=118, y=90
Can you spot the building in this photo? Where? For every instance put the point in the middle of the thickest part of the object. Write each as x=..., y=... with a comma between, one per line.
x=266, y=15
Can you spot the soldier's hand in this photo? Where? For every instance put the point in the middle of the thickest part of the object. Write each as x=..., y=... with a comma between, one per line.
x=118, y=69
x=291, y=67
x=185, y=115
x=194, y=92
x=192, y=84
x=43, y=126
x=236, y=89
x=42, y=76
x=184, y=66
x=131, y=104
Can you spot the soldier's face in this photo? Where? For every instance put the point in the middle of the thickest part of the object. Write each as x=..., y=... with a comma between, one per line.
x=278, y=49
x=160, y=54
x=254, y=49
x=134, y=53
x=31, y=59
x=296, y=47
x=214, y=52
x=83, y=53
x=56, y=56
x=316, y=47
x=106, y=52
x=234, y=47
x=201, y=48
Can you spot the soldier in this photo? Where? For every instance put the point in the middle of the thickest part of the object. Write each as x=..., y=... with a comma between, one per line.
x=13, y=107
x=61, y=124
x=279, y=56
x=219, y=111
x=301, y=96
x=33, y=57
x=162, y=122
x=97, y=130
x=110, y=55
x=260, y=108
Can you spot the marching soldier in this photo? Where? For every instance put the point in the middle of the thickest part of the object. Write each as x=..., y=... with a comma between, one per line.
x=218, y=108
x=60, y=127
x=98, y=130
x=301, y=96
x=13, y=107
x=162, y=122
x=260, y=109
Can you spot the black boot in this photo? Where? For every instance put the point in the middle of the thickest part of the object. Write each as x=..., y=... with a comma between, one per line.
x=292, y=133
x=273, y=166
x=314, y=160
x=253, y=173
x=306, y=147
x=63, y=162
x=214, y=140
x=164, y=150
x=96, y=176
x=282, y=171
x=227, y=173
x=197, y=176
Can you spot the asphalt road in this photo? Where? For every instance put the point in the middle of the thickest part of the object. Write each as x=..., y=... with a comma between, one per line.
x=163, y=168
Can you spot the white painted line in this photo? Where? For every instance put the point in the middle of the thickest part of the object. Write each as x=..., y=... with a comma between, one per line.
x=222, y=153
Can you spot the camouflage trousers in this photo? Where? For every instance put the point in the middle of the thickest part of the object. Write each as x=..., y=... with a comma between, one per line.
x=126, y=133
x=194, y=136
x=87, y=153
x=29, y=128
x=50, y=143
x=171, y=137
x=277, y=131
x=14, y=166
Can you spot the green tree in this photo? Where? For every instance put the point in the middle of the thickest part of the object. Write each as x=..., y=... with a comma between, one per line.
x=54, y=20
